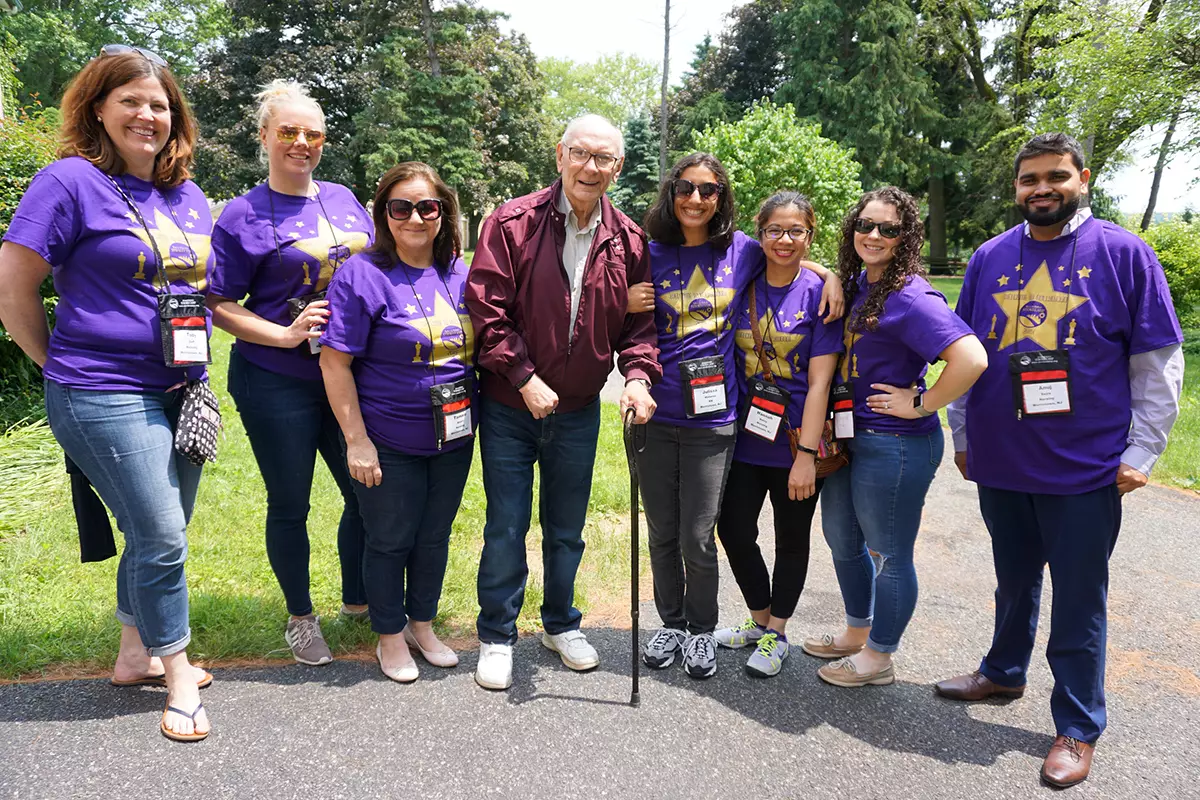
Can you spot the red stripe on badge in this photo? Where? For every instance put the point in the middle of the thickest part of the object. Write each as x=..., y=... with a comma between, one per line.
x=1048, y=375
x=457, y=405
x=187, y=322
x=774, y=408
x=843, y=405
x=708, y=379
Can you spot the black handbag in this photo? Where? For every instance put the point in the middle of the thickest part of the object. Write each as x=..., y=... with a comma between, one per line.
x=199, y=423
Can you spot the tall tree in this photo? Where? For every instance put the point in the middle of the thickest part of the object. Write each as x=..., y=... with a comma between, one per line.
x=662, y=108
x=635, y=189
x=616, y=86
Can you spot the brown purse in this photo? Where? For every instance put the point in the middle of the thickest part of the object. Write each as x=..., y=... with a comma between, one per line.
x=831, y=455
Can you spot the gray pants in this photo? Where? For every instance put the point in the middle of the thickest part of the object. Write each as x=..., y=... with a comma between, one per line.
x=682, y=474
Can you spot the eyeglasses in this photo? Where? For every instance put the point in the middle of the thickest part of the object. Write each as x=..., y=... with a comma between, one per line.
x=428, y=209
x=122, y=49
x=774, y=232
x=684, y=188
x=287, y=134
x=888, y=230
x=578, y=155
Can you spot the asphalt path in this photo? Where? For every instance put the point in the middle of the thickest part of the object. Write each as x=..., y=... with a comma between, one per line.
x=344, y=731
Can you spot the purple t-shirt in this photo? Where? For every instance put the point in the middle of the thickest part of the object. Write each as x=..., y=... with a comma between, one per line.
x=315, y=235
x=1101, y=295
x=915, y=327
x=792, y=334
x=106, y=334
x=694, y=289
x=408, y=329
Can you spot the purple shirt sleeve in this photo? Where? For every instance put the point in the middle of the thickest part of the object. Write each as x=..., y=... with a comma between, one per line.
x=1155, y=324
x=234, y=270
x=47, y=221
x=928, y=326
x=350, y=312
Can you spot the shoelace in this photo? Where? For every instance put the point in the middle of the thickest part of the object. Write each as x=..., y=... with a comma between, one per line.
x=767, y=644
x=700, y=648
x=747, y=626
x=303, y=633
x=661, y=639
x=1072, y=745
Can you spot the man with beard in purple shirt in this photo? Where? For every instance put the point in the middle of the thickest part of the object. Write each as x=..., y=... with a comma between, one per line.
x=1082, y=388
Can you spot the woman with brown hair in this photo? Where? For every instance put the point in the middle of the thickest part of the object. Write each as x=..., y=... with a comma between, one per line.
x=898, y=324
x=398, y=359
x=126, y=236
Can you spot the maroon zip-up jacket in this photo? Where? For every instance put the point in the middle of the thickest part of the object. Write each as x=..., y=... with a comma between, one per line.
x=520, y=303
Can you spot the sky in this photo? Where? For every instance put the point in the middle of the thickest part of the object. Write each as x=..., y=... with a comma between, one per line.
x=584, y=32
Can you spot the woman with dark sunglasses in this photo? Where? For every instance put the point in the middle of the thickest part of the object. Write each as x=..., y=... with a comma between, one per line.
x=699, y=262
x=898, y=324
x=399, y=364
x=278, y=246
x=125, y=233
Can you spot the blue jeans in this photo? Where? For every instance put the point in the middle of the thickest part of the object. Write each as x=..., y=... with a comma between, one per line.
x=563, y=446
x=1075, y=534
x=124, y=443
x=408, y=517
x=871, y=512
x=289, y=421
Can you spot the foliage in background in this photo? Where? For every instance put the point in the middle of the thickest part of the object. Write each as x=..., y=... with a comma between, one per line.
x=617, y=86
x=636, y=188
x=1177, y=244
x=770, y=149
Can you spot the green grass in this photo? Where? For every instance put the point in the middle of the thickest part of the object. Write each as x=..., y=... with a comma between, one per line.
x=55, y=611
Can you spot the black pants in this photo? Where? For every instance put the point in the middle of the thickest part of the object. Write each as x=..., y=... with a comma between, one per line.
x=745, y=491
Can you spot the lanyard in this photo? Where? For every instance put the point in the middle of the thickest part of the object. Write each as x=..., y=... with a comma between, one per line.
x=683, y=312
x=420, y=305
x=275, y=231
x=1021, y=281
x=160, y=265
x=773, y=312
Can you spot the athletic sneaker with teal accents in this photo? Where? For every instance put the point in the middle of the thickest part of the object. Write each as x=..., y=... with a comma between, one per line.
x=768, y=657
x=749, y=632
x=663, y=647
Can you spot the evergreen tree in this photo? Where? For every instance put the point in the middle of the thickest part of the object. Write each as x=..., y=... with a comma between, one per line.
x=637, y=187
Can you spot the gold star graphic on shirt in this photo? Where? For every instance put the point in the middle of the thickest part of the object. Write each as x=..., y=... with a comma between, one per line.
x=694, y=305
x=1041, y=308
x=329, y=249
x=777, y=347
x=449, y=332
x=665, y=284
x=1002, y=280
x=185, y=257
x=409, y=308
x=849, y=339
x=1084, y=272
x=193, y=213
x=728, y=270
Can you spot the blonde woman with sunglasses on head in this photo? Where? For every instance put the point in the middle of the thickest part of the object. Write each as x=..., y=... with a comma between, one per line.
x=278, y=246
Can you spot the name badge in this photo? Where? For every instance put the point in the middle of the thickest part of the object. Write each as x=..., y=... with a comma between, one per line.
x=452, y=411
x=1041, y=382
x=183, y=331
x=766, y=409
x=296, y=306
x=843, y=411
x=704, y=386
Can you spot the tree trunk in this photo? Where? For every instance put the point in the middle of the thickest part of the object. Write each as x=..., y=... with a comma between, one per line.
x=1163, y=155
x=435, y=68
x=473, y=230
x=937, y=220
x=662, y=111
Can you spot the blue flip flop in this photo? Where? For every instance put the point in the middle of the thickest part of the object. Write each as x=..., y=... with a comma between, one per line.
x=182, y=737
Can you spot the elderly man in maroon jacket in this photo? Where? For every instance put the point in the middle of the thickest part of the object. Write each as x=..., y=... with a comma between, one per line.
x=547, y=293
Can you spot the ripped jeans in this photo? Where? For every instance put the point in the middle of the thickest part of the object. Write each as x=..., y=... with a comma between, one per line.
x=871, y=512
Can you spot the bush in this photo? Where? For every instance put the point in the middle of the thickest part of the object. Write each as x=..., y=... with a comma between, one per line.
x=770, y=149
x=1177, y=244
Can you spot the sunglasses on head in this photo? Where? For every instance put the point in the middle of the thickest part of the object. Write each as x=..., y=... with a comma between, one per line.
x=888, y=230
x=684, y=188
x=122, y=49
x=287, y=134
x=428, y=209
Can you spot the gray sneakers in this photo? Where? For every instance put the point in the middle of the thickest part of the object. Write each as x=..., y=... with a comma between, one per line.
x=767, y=658
x=700, y=655
x=303, y=635
x=664, y=645
x=749, y=632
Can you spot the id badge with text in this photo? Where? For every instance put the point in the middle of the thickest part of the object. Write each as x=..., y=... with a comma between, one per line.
x=452, y=411
x=703, y=386
x=183, y=330
x=765, y=410
x=1041, y=381
x=843, y=411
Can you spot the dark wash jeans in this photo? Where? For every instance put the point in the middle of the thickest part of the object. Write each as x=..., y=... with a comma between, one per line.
x=408, y=517
x=289, y=421
x=563, y=446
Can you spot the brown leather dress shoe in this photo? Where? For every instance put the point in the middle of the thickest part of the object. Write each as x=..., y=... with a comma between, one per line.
x=1068, y=763
x=975, y=687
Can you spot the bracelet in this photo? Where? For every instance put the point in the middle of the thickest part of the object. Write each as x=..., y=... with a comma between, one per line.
x=642, y=381
x=808, y=450
x=521, y=383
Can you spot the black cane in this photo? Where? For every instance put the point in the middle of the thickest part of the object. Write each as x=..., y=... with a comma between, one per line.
x=632, y=448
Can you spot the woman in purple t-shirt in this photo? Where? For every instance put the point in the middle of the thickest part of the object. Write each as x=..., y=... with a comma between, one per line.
x=398, y=359
x=126, y=236
x=898, y=324
x=277, y=246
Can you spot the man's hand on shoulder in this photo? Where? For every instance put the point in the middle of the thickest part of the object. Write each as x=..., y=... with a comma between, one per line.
x=539, y=398
x=637, y=396
x=1129, y=479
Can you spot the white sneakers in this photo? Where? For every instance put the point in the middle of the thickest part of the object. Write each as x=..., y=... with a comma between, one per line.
x=495, y=660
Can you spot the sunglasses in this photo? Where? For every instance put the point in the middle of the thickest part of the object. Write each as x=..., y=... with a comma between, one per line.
x=122, y=49
x=428, y=209
x=684, y=188
x=287, y=134
x=888, y=230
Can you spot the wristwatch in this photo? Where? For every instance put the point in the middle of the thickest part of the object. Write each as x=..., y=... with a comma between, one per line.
x=808, y=450
x=920, y=407
x=642, y=381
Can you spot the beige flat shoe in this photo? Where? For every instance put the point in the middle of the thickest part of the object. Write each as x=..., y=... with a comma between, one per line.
x=823, y=647
x=445, y=657
x=405, y=673
x=842, y=673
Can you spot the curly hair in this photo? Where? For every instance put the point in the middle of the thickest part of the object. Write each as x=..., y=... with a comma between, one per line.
x=83, y=134
x=447, y=245
x=660, y=222
x=905, y=262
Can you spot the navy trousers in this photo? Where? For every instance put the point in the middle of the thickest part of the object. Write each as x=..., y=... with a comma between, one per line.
x=1075, y=535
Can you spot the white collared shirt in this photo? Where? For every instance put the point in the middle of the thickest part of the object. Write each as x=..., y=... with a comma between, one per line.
x=576, y=248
